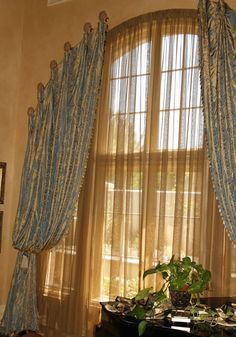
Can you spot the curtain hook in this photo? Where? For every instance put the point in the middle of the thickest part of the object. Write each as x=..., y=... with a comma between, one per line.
x=88, y=27
x=67, y=47
x=103, y=16
x=30, y=111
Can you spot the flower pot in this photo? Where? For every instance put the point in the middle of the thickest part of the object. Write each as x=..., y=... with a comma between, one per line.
x=180, y=299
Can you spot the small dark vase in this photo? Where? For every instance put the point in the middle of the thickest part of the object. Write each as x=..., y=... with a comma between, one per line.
x=179, y=299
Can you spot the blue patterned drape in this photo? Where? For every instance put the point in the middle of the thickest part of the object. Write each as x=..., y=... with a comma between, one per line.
x=55, y=162
x=218, y=77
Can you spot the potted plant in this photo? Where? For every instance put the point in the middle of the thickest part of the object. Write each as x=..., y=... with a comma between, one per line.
x=184, y=275
x=182, y=279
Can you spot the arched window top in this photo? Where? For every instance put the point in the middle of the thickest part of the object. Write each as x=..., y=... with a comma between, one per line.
x=154, y=78
x=184, y=16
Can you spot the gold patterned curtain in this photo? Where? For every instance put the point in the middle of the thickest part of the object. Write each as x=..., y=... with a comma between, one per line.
x=59, y=137
x=218, y=73
x=147, y=193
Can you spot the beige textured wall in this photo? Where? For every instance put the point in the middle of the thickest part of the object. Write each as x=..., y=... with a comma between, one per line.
x=31, y=35
x=11, y=25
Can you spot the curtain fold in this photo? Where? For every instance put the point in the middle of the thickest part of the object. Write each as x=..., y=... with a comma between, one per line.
x=56, y=157
x=147, y=192
x=218, y=76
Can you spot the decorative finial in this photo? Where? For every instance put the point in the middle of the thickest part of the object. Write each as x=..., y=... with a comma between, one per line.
x=103, y=16
x=30, y=111
x=53, y=64
x=67, y=47
x=40, y=87
x=88, y=27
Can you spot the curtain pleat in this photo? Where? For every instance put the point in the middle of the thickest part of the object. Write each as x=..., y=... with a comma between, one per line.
x=147, y=192
x=56, y=157
x=218, y=74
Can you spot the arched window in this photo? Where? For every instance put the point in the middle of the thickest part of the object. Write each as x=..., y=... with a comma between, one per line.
x=147, y=192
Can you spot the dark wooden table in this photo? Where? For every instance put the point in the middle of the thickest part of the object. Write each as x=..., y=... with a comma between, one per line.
x=117, y=325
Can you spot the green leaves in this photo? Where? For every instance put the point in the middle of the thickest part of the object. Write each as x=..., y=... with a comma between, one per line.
x=187, y=261
x=197, y=287
x=142, y=294
x=165, y=275
x=159, y=296
x=182, y=274
x=163, y=268
x=178, y=283
x=206, y=276
x=139, y=312
x=142, y=327
x=149, y=272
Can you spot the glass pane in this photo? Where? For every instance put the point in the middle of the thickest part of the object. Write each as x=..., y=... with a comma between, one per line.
x=191, y=57
x=171, y=87
x=179, y=51
x=121, y=239
x=131, y=129
x=180, y=129
x=141, y=59
x=118, y=95
x=180, y=88
x=135, y=62
x=138, y=93
x=191, y=89
x=168, y=133
x=172, y=52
